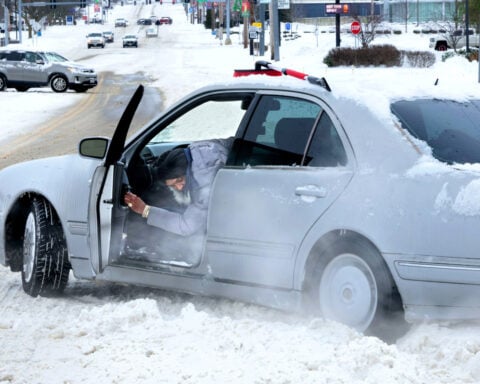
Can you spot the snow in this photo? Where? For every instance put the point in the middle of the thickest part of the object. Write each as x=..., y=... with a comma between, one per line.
x=106, y=333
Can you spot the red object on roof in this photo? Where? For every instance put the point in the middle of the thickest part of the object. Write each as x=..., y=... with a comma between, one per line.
x=248, y=72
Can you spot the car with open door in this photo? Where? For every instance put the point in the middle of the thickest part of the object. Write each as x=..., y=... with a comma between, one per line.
x=326, y=203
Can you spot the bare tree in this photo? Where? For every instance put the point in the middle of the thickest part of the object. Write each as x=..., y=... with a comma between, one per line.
x=369, y=25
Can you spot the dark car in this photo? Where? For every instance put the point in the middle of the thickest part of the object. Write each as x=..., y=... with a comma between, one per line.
x=144, y=21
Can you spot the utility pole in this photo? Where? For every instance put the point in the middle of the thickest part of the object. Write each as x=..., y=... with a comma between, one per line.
x=228, y=41
x=7, y=20
x=274, y=33
x=20, y=21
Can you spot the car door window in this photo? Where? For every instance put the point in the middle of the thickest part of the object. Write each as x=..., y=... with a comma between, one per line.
x=326, y=148
x=278, y=133
x=15, y=56
x=283, y=132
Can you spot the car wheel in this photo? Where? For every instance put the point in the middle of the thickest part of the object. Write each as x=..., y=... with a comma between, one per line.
x=45, y=258
x=88, y=46
x=22, y=89
x=59, y=83
x=352, y=284
x=3, y=83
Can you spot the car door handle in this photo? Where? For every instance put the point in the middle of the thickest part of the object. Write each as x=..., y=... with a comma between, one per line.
x=311, y=190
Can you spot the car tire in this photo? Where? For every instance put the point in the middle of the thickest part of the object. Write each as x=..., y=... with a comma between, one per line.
x=59, y=83
x=3, y=83
x=46, y=267
x=88, y=46
x=352, y=284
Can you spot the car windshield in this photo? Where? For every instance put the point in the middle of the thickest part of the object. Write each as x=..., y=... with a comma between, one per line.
x=55, y=57
x=450, y=128
x=95, y=35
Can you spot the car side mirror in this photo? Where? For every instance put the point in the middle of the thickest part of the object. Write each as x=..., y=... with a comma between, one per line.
x=41, y=62
x=95, y=147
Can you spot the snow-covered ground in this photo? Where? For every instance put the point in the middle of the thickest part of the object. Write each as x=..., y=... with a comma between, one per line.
x=105, y=333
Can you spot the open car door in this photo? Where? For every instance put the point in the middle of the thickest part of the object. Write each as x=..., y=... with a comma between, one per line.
x=106, y=188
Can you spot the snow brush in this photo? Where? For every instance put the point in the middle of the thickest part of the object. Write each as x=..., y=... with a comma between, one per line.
x=266, y=68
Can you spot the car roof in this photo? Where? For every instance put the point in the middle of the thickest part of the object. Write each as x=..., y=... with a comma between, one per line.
x=364, y=114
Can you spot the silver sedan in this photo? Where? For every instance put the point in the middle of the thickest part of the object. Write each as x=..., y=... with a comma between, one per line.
x=322, y=206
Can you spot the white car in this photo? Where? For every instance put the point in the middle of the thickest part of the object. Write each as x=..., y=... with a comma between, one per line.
x=121, y=22
x=95, y=39
x=151, y=32
x=130, y=41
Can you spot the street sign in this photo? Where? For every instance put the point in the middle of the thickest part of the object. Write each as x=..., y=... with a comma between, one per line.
x=336, y=8
x=355, y=27
x=283, y=4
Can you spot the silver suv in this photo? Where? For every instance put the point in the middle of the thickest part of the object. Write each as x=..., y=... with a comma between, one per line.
x=21, y=69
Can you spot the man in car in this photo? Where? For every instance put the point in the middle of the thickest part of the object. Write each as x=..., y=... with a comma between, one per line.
x=188, y=173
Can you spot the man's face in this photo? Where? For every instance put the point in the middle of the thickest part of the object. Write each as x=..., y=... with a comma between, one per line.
x=178, y=184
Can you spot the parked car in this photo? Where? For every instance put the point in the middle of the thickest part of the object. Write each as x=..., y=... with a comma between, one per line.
x=108, y=36
x=151, y=32
x=95, y=39
x=165, y=20
x=130, y=41
x=327, y=203
x=25, y=69
x=120, y=22
x=454, y=39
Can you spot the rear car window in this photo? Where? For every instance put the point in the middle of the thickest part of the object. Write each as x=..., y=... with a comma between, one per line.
x=449, y=127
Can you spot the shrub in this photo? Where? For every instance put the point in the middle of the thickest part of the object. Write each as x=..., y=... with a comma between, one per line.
x=422, y=59
x=377, y=55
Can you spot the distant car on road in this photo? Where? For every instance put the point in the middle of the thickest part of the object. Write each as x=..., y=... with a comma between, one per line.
x=130, y=41
x=151, y=32
x=144, y=21
x=108, y=36
x=95, y=39
x=25, y=69
x=165, y=20
x=120, y=22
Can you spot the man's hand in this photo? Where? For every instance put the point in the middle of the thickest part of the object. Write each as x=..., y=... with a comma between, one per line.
x=135, y=203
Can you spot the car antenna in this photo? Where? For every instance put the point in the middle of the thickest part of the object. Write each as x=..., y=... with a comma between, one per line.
x=436, y=81
x=271, y=70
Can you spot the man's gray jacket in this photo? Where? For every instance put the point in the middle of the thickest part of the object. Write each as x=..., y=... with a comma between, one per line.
x=206, y=159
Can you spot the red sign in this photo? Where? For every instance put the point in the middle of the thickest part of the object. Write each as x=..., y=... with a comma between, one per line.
x=355, y=27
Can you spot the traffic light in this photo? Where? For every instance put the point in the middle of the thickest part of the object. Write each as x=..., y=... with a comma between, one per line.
x=53, y=4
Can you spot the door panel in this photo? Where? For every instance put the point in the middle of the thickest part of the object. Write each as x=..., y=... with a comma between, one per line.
x=258, y=218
